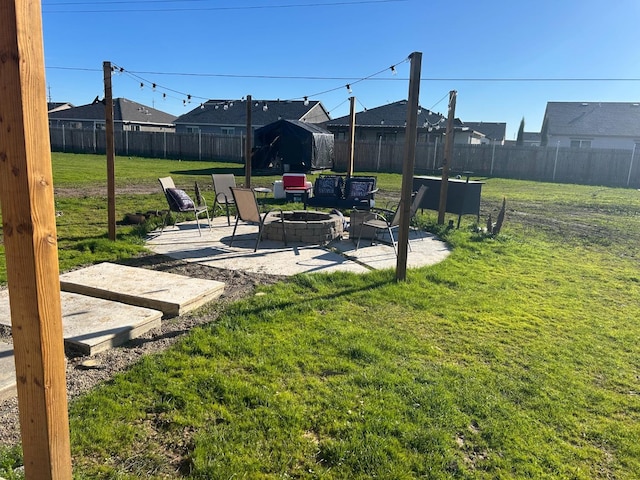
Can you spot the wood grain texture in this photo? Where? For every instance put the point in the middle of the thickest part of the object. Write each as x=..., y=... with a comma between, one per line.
x=26, y=192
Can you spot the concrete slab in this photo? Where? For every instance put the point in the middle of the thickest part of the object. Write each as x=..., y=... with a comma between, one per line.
x=212, y=248
x=91, y=325
x=170, y=293
x=7, y=372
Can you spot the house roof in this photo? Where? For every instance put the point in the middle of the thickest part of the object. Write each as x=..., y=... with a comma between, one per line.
x=620, y=119
x=391, y=115
x=123, y=111
x=491, y=130
x=53, y=106
x=233, y=112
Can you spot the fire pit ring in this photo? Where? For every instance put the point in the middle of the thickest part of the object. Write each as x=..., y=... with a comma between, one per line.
x=304, y=226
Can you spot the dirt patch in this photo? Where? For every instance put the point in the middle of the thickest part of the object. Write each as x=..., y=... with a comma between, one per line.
x=83, y=375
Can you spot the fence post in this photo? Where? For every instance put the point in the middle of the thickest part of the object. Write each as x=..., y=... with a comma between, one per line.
x=633, y=154
x=555, y=163
x=435, y=153
x=493, y=156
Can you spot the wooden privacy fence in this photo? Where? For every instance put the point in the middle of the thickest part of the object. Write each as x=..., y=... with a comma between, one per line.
x=184, y=146
x=615, y=168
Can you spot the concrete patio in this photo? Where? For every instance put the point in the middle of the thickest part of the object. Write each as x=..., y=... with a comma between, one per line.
x=212, y=248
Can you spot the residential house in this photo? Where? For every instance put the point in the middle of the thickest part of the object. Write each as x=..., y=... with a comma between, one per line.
x=611, y=125
x=494, y=132
x=229, y=117
x=127, y=116
x=388, y=122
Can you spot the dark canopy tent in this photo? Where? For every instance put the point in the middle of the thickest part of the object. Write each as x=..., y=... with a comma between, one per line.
x=291, y=145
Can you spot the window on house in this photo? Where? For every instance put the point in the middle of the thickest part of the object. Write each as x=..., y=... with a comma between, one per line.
x=227, y=130
x=100, y=126
x=341, y=135
x=579, y=143
x=191, y=129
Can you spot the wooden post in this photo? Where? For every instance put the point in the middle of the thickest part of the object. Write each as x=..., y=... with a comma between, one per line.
x=410, y=138
x=352, y=135
x=110, y=147
x=448, y=151
x=248, y=145
x=30, y=239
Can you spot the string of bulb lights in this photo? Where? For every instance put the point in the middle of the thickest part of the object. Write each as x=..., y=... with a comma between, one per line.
x=187, y=97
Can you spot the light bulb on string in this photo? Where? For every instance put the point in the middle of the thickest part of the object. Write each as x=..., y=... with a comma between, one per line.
x=141, y=86
x=164, y=96
x=265, y=107
x=349, y=88
x=153, y=87
x=225, y=107
x=202, y=106
x=306, y=101
x=393, y=70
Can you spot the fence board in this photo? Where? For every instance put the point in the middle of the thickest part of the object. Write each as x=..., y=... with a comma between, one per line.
x=566, y=165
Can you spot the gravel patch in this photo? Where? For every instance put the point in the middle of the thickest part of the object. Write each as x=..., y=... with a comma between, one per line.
x=84, y=373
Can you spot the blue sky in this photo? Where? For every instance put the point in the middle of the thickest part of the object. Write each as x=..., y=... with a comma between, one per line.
x=289, y=49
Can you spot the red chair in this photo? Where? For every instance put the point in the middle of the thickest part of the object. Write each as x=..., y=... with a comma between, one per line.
x=296, y=185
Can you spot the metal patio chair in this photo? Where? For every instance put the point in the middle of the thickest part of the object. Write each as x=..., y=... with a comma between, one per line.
x=388, y=220
x=249, y=212
x=222, y=184
x=180, y=202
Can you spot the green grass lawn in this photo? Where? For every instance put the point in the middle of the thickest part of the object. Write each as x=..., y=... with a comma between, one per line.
x=517, y=357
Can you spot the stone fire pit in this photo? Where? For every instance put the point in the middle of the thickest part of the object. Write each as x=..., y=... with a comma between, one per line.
x=304, y=226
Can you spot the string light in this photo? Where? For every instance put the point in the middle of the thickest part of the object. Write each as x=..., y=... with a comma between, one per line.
x=227, y=104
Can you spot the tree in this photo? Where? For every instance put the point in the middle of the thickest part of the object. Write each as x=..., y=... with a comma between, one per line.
x=520, y=137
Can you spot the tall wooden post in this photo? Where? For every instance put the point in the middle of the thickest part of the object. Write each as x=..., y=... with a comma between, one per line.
x=30, y=239
x=248, y=145
x=110, y=147
x=411, y=136
x=352, y=135
x=448, y=152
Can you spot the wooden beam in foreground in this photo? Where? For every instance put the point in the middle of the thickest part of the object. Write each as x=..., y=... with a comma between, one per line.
x=31, y=249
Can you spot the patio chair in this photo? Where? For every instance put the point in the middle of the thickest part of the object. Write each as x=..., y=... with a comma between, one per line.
x=249, y=212
x=222, y=183
x=388, y=221
x=180, y=202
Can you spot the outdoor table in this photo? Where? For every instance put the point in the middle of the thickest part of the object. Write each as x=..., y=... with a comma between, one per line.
x=263, y=190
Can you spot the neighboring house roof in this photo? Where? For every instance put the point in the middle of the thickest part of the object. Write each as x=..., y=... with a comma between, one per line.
x=55, y=106
x=233, y=112
x=531, y=137
x=492, y=130
x=125, y=111
x=392, y=115
x=614, y=119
